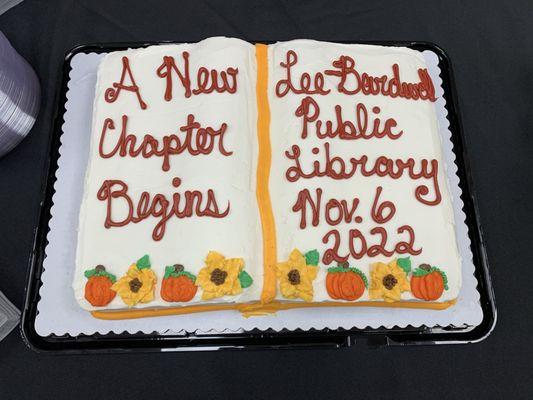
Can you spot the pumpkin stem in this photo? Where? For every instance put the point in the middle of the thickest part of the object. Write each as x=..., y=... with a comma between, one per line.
x=344, y=265
x=99, y=268
x=425, y=267
x=178, y=267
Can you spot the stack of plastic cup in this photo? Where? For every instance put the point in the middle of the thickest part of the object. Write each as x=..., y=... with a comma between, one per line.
x=19, y=97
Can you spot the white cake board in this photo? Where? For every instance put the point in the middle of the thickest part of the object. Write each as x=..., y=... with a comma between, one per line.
x=59, y=313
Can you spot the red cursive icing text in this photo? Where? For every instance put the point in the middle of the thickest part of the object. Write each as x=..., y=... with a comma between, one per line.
x=351, y=81
x=335, y=211
x=358, y=244
x=207, y=80
x=305, y=84
x=197, y=141
x=186, y=205
x=309, y=111
x=384, y=85
x=111, y=94
x=337, y=168
x=382, y=212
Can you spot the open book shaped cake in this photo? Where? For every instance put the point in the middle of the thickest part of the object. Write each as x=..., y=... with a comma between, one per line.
x=228, y=175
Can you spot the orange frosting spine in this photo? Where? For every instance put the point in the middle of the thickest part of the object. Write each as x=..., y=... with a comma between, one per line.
x=255, y=309
x=263, y=174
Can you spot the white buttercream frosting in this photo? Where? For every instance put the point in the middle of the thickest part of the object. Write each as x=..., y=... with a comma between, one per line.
x=433, y=225
x=233, y=179
x=186, y=241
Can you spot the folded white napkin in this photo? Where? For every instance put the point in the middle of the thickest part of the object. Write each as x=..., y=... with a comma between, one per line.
x=9, y=316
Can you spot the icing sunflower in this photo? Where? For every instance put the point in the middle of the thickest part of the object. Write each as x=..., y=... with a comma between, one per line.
x=296, y=275
x=220, y=276
x=138, y=285
x=388, y=281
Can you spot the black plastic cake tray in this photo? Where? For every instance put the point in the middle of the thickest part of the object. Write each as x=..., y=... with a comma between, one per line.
x=261, y=339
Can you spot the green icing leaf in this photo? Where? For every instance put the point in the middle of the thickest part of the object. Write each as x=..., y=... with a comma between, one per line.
x=312, y=257
x=422, y=272
x=335, y=269
x=444, y=277
x=93, y=272
x=351, y=269
x=143, y=262
x=111, y=277
x=363, y=276
x=170, y=272
x=405, y=264
x=245, y=279
x=188, y=275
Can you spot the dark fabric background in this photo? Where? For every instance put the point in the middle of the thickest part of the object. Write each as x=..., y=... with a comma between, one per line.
x=491, y=48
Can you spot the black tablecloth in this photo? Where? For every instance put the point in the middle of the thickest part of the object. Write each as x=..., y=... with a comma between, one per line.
x=491, y=48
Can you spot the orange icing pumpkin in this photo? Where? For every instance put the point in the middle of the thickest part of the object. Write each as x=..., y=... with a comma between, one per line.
x=428, y=283
x=98, y=290
x=345, y=283
x=178, y=285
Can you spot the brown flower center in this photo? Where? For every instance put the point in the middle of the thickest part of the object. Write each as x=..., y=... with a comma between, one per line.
x=135, y=285
x=294, y=277
x=389, y=281
x=218, y=276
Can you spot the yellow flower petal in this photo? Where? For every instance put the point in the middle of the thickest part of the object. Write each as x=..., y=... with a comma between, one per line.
x=145, y=293
x=148, y=297
x=213, y=259
x=302, y=290
x=378, y=290
x=209, y=295
x=133, y=272
x=231, y=285
x=312, y=272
